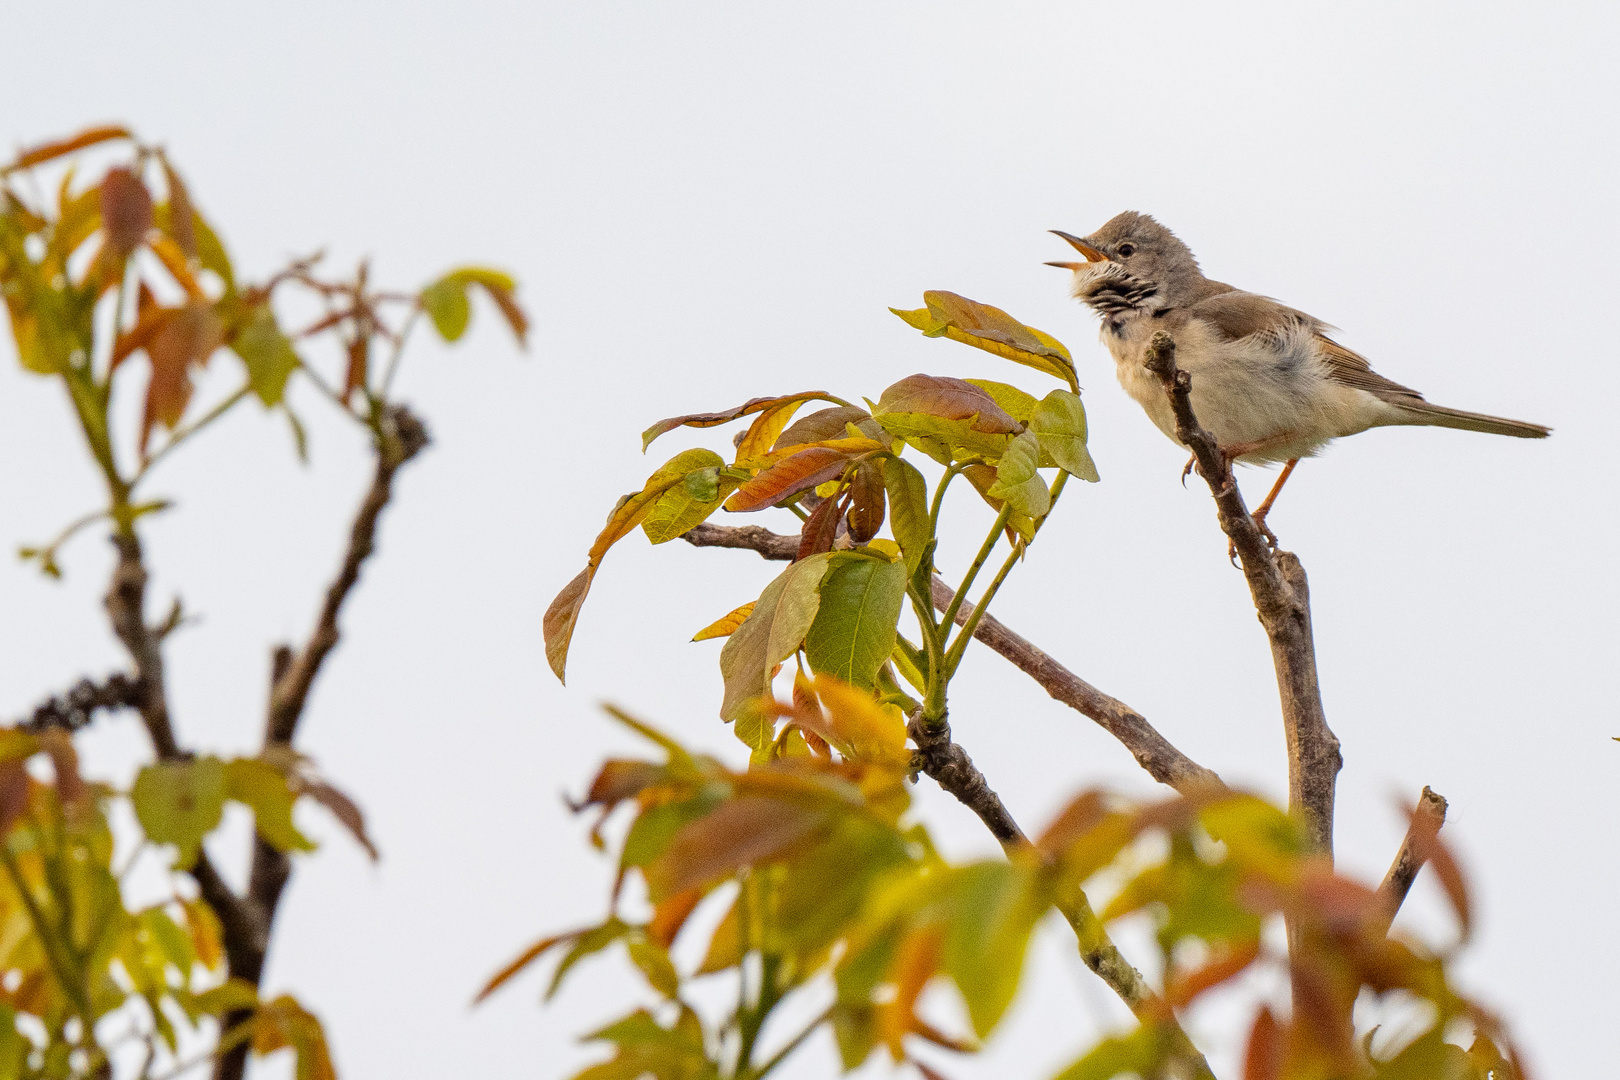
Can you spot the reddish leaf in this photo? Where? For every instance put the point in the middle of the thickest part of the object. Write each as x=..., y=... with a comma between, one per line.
x=70, y=787
x=616, y=781
x=13, y=794
x=824, y=424
x=737, y=833
x=126, y=210
x=820, y=529
x=1082, y=815
x=1264, y=1058
x=51, y=150
x=182, y=214
x=802, y=471
x=715, y=418
x=1428, y=847
x=189, y=337
x=354, y=376
x=345, y=810
x=149, y=320
x=866, y=508
x=948, y=399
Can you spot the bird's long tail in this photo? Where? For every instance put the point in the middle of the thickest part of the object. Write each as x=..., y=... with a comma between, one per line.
x=1440, y=416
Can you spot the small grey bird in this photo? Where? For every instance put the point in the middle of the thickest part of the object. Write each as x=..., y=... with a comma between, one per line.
x=1267, y=381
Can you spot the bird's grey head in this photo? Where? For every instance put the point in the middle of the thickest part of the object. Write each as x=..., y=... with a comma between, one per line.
x=1132, y=263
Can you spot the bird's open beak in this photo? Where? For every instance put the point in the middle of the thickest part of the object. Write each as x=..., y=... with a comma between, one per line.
x=1092, y=254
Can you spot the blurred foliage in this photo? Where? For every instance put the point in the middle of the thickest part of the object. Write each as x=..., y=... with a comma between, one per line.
x=116, y=282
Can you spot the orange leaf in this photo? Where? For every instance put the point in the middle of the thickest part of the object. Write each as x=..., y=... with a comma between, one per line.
x=527, y=957
x=725, y=624
x=757, y=440
x=48, y=151
x=126, y=210
x=671, y=915
x=149, y=320
x=179, y=267
x=799, y=472
x=916, y=963
x=1182, y=989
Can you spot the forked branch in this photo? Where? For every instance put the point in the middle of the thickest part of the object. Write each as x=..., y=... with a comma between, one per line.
x=1427, y=819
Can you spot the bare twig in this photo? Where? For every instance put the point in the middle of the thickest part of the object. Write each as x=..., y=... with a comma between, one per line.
x=1152, y=750
x=76, y=708
x=1282, y=600
x=1427, y=819
x=126, y=607
x=291, y=676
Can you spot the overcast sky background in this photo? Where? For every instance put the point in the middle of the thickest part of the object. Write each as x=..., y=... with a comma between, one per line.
x=706, y=202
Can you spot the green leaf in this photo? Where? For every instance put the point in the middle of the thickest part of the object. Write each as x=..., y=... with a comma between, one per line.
x=1017, y=479
x=655, y=966
x=772, y=632
x=268, y=355
x=854, y=628
x=1141, y=1052
x=586, y=944
x=1059, y=423
x=908, y=509
x=179, y=803
x=447, y=305
x=689, y=503
x=995, y=908
x=264, y=789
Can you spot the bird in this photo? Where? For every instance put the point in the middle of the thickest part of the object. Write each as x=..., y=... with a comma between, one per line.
x=1267, y=380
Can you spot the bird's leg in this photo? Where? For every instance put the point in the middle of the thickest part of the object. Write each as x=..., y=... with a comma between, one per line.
x=1186, y=470
x=1265, y=507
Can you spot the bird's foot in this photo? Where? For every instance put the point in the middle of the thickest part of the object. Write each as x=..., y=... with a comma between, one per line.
x=1186, y=470
x=1265, y=531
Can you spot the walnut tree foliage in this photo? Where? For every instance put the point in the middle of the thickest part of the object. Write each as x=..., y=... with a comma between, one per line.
x=116, y=284
x=826, y=883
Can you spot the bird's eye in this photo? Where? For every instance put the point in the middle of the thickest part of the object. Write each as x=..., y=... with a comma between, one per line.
x=1126, y=250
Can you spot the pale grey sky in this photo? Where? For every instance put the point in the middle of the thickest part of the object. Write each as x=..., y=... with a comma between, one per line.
x=706, y=202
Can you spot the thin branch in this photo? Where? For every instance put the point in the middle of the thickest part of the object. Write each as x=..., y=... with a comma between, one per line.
x=76, y=708
x=1152, y=750
x=291, y=676
x=405, y=438
x=1427, y=819
x=1282, y=600
x=949, y=766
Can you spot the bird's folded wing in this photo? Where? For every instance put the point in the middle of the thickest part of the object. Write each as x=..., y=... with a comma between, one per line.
x=1240, y=314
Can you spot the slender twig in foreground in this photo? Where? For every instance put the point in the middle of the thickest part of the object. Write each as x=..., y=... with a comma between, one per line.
x=1282, y=600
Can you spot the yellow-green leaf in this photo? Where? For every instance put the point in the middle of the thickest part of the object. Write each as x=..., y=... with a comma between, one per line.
x=264, y=789
x=690, y=502
x=268, y=355
x=772, y=632
x=991, y=329
x=179, y=803
x=1017, y=478
x=1059, y=424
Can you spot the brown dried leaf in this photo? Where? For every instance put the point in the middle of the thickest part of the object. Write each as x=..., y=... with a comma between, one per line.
x=13, y=794
x=561, y=617
x=51, y=150
x=182, y=213
x=867, y=502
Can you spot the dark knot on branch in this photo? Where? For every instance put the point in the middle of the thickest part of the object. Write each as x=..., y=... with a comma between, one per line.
x=406, y=434
x=951, y=768
x=77, y=707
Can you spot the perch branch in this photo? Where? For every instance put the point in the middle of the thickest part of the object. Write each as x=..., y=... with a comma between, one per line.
x=1151, y=750
x=1426, y=822
x=1281, y=599
x=403, y=436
